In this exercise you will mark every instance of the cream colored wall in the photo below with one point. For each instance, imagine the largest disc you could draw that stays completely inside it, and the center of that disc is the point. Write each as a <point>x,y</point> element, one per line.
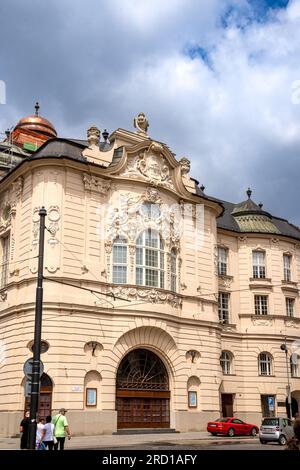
<point>74,252</point>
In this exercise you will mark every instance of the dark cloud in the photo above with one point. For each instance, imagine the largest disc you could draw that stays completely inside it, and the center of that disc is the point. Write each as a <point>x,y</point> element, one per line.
<point>104,61</point>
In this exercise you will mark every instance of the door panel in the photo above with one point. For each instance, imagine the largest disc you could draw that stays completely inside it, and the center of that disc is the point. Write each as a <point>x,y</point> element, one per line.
<point>227,405</point>
<point>143,413</point>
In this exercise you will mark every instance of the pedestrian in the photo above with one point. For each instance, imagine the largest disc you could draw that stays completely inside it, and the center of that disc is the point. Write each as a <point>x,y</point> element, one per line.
<point>61,427</point>
<point>40,433</point>
<point>24,430</point>
<point>48,438</point>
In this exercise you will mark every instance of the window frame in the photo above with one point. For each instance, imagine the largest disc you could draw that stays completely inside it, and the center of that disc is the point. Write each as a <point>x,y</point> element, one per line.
<point>144,251</point>
<point>223,310</point>
<point>267,361</point>
<point>222,261</point>
<point>287,267</point>
<point>289,306</point>
<point>226,362</point>
<point>259,266</point>
<point>117,264</point>
<point>5,245</point>
<point>173,271</point>
<point>259,308</point>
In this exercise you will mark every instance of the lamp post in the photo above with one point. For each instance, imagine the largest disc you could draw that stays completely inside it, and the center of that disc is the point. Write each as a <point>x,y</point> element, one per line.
<point>35,387</point>
<point>284,348</point>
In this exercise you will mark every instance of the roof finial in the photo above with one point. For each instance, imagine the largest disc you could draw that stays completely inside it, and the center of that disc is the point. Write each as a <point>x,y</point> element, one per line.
<point>202,187</point>
<point>249,192</point>
<point>260,205</point>
<point>105,135</point>
<point>141,124</point>
<point>37,108</point>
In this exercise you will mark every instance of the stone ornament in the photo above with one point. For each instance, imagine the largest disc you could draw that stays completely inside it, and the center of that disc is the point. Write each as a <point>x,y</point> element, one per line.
<point>185,166</point>
<point>141,124</point>
<point>262,321</point>
<point>98,185</point>
<point>150,166</point>
<point>147,295</point>
<point>93,136</point>
<point>53,227</point>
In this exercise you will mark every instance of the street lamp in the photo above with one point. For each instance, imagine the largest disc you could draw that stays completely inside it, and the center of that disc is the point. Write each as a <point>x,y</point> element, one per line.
<point>284,348</point>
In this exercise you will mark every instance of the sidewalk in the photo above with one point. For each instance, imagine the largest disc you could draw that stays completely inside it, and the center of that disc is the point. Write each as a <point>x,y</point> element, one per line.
<point>115,441</point>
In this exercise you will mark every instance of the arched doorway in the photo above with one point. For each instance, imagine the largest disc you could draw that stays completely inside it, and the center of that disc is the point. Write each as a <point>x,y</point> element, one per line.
<point>142,391</point>
<point>45,400</point>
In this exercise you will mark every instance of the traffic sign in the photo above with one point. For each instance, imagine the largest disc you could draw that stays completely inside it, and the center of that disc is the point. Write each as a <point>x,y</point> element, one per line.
<point>271,402</point>
<point>28,366</point>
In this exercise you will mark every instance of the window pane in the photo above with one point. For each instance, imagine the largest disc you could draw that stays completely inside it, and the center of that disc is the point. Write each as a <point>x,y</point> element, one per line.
<point>139,256</point>
<point>151,258</point>
<point>120,254</point>
<point>120,274</point>
<point>151,278</point>
<point>139,276</point>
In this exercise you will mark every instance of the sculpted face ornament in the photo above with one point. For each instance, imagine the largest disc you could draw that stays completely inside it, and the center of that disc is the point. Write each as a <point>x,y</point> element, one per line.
<point>185,166</point>
<point>141,124</point>
<point>93,136</point>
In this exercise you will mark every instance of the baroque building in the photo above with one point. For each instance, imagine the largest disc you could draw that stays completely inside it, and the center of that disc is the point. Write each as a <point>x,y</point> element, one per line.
<point>163,307</point>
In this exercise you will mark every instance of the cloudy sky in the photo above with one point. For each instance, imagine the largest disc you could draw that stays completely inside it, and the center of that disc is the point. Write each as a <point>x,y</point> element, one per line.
<point>219,81</point>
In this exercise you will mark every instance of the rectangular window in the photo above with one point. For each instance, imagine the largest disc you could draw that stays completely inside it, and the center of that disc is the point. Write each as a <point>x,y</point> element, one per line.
<point>259,266</point>
<point>289,306</point>
<point>222,261</point>
<point>91,397</point>
<point>5,260</point>
<point>120,274</point>
<point>223,307</point>
<point>261,304</point>
<point>287,259</point>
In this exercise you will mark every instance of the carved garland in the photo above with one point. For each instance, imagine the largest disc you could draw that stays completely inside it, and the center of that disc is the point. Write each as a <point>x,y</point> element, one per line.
<point>147,295</point>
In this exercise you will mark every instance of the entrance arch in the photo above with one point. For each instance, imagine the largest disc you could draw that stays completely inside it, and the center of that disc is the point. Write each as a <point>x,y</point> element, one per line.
<point>45,401</point>
<point>142,391</point>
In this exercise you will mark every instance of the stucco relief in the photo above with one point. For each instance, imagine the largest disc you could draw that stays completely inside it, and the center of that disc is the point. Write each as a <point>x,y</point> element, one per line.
<point>262,321</point>
<point>146,294</point>
<point>225,281</point>
<point>52,259</point>
<point>99,185</point>
<point>9,202</point>
<point>150,166</point>
<point>290,323</point>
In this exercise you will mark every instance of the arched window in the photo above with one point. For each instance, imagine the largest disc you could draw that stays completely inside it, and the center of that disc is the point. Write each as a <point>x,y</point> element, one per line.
<point>150,259</point>
<point>264,364</point>
<point>119,261</point>
<point>294,365</point>
<point>226,362</point>
<point>173,270</point>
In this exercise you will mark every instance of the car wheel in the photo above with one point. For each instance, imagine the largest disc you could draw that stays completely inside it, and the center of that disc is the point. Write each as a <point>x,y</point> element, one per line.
<point>231,432</point>
<point>253,432</point>
<point>213,433</point>
<point>282,440</point>
<point>262,441</point>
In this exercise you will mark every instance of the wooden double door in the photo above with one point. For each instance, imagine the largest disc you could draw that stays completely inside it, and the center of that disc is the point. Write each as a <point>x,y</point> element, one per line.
<point>138,411</point>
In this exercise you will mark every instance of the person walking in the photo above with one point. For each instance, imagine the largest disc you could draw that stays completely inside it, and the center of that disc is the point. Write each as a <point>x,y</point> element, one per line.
<point>24,428</point>
<point>40,433</point>
<point>61,427</point>
<point>48,438</point>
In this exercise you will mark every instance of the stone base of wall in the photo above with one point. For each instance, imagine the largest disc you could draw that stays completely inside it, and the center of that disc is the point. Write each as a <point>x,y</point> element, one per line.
<point>187,421</point>
<point>81,423</point>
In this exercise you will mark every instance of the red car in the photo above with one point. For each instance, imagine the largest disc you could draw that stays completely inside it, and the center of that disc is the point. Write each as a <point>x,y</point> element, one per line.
<point>231,427</point>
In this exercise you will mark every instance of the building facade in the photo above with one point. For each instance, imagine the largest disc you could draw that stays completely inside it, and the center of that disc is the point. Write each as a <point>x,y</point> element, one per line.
<point>163,307</point>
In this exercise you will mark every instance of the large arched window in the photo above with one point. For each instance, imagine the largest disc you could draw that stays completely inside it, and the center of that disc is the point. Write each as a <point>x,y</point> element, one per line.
<point>264,364</point>
<point>173,270</point>
<point>226,362</point>
<point>150,259</point>
<point>119,260</point>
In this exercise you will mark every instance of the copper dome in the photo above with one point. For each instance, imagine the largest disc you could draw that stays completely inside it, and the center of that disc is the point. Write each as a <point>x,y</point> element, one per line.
<point>37,124</point>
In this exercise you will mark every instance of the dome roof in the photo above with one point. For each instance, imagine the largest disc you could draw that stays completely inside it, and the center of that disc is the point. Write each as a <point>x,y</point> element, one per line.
<point>37,124</point>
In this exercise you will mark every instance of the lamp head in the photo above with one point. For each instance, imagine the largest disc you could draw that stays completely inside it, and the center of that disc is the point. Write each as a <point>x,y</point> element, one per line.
<point>283,347</point>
